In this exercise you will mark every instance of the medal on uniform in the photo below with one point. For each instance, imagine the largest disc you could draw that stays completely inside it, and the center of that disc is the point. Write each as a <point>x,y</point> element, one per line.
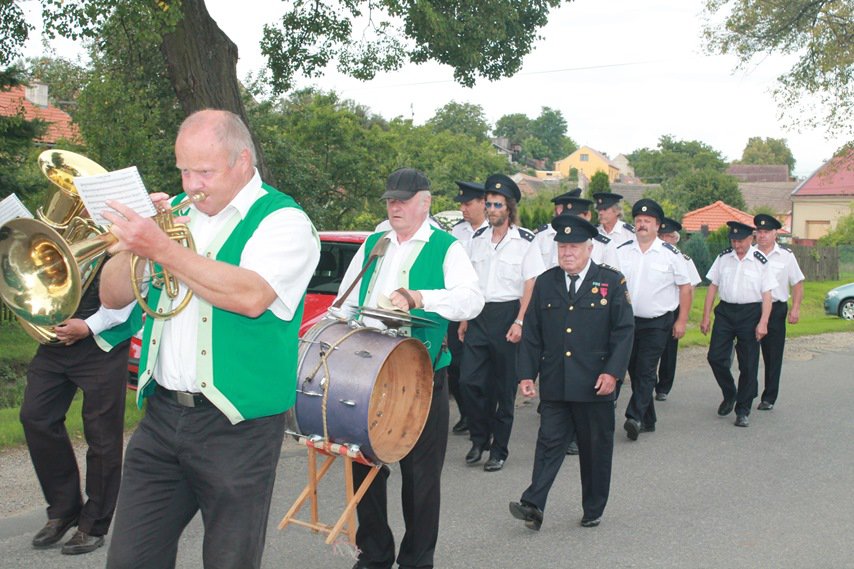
<point>595,288</point>
<point>603,291</point>
<point>603,302</point>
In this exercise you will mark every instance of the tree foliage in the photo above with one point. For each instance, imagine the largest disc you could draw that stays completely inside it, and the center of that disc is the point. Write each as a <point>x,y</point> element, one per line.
<point>17,149</point>
<point>820,33</point>
<point>693,190</point>
<point>542,138</point>
<point>698,250</point>
<point>461,118</point>
<point>14,31</point>
<point>672,158</point>
<point>842,234</point>
<point>599,182</point>
<point>516,127</point>
<point>767,151</point>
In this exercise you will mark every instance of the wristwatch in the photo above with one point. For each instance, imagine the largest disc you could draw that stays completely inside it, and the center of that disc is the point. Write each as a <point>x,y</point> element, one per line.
<point>519,322</point>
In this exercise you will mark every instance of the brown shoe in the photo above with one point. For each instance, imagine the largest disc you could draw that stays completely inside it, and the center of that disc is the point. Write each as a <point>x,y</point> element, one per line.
<point>52,532</point>
<point>82,542</point>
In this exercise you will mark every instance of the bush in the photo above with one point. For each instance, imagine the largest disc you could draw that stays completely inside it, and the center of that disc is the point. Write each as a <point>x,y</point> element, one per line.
<point>13,379</point>
<point>698,251</point>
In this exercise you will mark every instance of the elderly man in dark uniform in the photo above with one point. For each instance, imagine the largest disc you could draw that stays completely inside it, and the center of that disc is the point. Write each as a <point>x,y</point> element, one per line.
<point>745,282</point>
<point>577,337</point>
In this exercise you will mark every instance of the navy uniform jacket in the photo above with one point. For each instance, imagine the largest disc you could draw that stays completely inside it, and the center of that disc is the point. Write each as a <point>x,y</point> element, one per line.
<point>570,345</point>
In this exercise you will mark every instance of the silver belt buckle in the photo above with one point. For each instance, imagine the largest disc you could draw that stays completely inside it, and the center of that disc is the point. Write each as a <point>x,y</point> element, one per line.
<point>185,399</point>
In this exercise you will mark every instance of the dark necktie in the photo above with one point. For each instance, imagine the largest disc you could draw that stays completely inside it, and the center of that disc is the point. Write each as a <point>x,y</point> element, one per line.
<point>572,280</point>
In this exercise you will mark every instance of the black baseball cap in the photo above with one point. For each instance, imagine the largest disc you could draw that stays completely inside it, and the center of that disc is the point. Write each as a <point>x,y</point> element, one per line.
<point>404,183</point>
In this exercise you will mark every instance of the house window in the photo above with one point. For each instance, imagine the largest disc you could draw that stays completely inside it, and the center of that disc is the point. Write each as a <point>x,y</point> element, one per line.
<point>817,229</point>
<point>585,157</point>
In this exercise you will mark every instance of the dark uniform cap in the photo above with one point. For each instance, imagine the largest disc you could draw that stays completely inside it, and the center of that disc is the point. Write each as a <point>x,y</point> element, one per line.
<point>738,230</point>
<point>577,206</point>
<point>565,197</point>
<point>405,183</point>
<point>604,200</point>
<point>573,229</point>
<point>468,191</point>
<point>765,221</point>
<point>504,185</point>
<point>648,207</point>
<point>669,226</point>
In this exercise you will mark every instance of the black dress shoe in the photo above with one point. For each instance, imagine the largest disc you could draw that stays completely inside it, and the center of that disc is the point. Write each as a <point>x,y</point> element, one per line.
<point>633,429</point>
<point>742,421</point>
<point>585,523</point>
<point>531,515</point>
<point>661,397</point>
<point>726,407</point>
<point>494,464</point>
<point>765,406</point>
<point>572,448</point>
<point>53,531</point>
<point>82,542</point>
<point>462,426</point>
<point>647,428</point>
<point>473,456</point>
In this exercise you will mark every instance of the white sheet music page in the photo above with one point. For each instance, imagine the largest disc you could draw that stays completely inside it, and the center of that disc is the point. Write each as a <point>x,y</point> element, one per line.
<point>12,207</point>
<point>124,186</point>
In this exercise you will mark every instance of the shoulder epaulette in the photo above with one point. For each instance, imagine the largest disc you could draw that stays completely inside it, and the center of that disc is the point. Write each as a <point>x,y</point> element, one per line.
<point>525,234</point>
<point>479,232</point>
<point>629,226</point>
<point>543,227</point>
<point>602,238</point>
<point>787,250</point>
<point>760,256</point>
<point>686,257</point>
<point>671,247</point>
<point>459,222</point>
<point>610,268</point>
<point>629,242</point>
<point>725,251</point>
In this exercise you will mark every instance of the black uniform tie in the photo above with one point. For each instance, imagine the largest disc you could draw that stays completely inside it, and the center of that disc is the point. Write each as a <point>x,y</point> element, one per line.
<point>572,281</point>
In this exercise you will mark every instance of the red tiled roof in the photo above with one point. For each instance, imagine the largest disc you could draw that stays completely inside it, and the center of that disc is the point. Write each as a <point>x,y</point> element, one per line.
<point>60,126</point>
<point>834,178</point>
<point>714,216</point>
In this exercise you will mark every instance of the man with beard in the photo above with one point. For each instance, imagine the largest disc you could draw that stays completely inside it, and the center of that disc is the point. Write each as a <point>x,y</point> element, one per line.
<point>611,222</point>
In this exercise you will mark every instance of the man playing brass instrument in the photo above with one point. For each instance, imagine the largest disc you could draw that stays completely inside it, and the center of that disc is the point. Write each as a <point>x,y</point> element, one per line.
<point>218,376</point>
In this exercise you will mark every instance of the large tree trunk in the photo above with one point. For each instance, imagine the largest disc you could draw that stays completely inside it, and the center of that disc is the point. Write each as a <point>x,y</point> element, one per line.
<point>202,64</point>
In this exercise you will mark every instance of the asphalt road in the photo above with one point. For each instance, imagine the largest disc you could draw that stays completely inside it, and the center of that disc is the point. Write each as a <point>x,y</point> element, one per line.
<point>698,493</point>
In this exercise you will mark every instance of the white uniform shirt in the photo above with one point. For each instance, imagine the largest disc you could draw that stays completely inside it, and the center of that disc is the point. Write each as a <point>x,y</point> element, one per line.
<point>653,277</point>
<point>284,250</point>
<point>106,318</point>
<point>461,298</point>
<point>603,253</point>
<point>502,268</point>
<point>741,281</point>
<point>786,271</point>
<point>463,231</point>
<point>619,234</point>
<point>693,273</point>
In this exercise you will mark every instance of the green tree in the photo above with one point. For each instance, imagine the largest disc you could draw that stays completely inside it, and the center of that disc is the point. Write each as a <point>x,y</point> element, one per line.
<point>767,151</point>
<point>696,248</point>
<point>716,242</point>
<point>534,147</point>
<point>550,128</point>
<point>65,78</point>
<point>14,31</point>
<point>17,148</point>
<point>819,33</point>
<point>674,158</point>
<point>694,190</point>
<point>842,234</point>
<point>516,127</point>
<point>599,183</point>
<point>461,118</point>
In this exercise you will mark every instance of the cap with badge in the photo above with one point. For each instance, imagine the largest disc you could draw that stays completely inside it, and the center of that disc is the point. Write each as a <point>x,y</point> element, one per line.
<point>404,183</point>
<point>765,221</point>
<point>469,191</point>
<point>646,206</point>
<point>577,206</point>
<point>573,229</point>
<point>504,185</point>
<point>604,200</point>
<point>564,197</point>
<point>669,226</point>
<point>738,230</point>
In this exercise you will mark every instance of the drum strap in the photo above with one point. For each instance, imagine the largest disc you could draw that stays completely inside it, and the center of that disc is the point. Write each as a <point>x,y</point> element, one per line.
<point>377,252</point>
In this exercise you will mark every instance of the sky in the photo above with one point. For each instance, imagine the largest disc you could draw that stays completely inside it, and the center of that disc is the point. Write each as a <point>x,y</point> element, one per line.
<point>622,72</point>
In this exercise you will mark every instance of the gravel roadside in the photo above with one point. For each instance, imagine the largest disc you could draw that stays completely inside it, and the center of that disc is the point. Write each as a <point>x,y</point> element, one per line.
<point>20,489</point>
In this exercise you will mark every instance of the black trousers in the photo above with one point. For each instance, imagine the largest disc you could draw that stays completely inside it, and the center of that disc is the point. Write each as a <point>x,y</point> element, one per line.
<point>667,365</point>
<point>593,424</point>
<point>773,345</point>
<point>488,377</point>
<point>54,375</point>
<point>181,460</point>
<point>456,349</point>
<point>736,323</point>
<point>651,336</point>
<point>421,475</point>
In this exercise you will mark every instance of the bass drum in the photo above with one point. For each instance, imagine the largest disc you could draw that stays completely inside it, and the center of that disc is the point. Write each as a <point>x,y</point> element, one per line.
<point>379,389</point>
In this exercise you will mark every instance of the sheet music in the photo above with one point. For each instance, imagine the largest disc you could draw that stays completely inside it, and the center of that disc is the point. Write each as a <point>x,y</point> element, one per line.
<point>124,186</point>
<point>11,207</point>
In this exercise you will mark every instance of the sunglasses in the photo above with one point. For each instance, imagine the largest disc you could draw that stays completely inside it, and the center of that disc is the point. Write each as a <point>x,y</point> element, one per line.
<point>494,205</point>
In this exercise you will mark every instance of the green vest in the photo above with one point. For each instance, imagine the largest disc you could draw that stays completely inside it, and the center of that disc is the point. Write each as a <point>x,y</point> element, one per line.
<point>247,367</point>
<point>112,337</point>
<point>422,271</point>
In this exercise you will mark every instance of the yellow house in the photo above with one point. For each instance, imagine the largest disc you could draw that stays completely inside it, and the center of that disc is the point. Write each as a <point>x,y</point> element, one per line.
<point>824,197</point>
<point>588,161</point>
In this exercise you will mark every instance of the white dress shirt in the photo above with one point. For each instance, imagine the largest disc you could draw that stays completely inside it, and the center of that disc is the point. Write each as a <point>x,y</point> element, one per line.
<point>107,318</point>
<point>741,281</point>
<point>653,277</point>
<point>284,251</point>
<point>581,275</point>
<point>786,271</point>
<point>619,234</point>
<point>463,231</point>
<point>502,268</point>
<point>461,298</point>
<point>547,246</point>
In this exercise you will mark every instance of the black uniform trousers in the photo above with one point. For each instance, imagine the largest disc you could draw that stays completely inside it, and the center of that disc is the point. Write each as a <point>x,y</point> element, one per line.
<point>456,349</point>
<point>181,460</point>
<point>651,336</point>
<point>593,424</point>
<point>736,323</point>
<point>54,375</point>
<point>667,365</point>
<point>773,345</point>
<point>488,377</point>
<point>421,474</point>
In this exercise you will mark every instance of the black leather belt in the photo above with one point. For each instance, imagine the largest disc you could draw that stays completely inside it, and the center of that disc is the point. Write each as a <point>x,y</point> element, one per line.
<point>184,398</point>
